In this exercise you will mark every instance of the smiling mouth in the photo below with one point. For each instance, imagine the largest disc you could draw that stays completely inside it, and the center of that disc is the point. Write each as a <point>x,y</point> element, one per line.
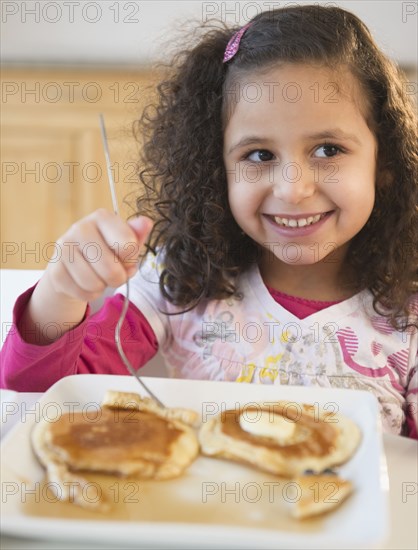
<point>298,222</point>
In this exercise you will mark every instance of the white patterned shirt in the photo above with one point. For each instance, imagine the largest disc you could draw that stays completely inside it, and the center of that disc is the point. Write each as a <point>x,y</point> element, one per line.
<point>255,339</point>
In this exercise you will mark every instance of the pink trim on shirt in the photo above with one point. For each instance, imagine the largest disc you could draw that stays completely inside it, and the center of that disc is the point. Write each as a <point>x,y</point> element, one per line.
<point>300,307</point>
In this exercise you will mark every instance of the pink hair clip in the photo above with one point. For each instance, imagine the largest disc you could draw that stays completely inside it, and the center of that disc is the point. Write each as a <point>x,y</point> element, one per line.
<point>233,45</point>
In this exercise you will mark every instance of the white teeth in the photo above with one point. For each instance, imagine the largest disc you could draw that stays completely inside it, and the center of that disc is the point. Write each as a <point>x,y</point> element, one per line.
<point>300,222</point>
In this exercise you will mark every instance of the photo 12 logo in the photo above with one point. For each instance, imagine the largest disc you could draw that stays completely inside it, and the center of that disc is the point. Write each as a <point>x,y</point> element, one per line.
<point>269,491</point>
<point>70,12</point>
<point>126,492</point>
<point>242,12</point>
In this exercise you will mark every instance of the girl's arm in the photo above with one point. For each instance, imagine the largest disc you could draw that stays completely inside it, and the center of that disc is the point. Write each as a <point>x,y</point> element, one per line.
<point>88,348</point>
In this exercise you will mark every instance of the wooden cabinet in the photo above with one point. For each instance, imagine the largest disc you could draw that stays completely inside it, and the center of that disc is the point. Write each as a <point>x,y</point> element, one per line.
<point>52,161</point>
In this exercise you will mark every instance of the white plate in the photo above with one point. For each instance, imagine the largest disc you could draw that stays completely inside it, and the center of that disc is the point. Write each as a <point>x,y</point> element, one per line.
<point>216,504</point>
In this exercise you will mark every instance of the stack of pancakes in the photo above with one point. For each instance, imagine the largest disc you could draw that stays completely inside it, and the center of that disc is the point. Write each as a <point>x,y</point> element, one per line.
<point>283,438</point>
<point>291,440</point>
<point>132,436</point>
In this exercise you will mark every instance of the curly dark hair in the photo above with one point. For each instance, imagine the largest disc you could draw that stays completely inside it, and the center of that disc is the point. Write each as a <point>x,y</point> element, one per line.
<point>183,178</point>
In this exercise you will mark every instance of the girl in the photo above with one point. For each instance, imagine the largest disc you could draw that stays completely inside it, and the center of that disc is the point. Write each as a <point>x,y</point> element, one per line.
<point>279,210</point>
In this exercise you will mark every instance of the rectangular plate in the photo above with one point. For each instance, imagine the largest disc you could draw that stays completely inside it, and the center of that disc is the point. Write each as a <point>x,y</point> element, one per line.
<point>216,503</point>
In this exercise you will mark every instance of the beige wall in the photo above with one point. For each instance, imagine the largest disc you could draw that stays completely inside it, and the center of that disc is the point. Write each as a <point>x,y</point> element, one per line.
<point>53,166</point>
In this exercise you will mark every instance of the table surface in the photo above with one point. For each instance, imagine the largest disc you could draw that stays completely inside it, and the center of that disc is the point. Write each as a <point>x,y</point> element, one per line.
<point>402,463</point>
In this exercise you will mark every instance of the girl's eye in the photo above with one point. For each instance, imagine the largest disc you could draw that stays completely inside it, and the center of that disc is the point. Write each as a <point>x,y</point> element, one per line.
<point>329,150</point>
<point>260,155</point>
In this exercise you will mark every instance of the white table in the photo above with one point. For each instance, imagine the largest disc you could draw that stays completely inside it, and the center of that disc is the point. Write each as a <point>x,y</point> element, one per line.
<point>402,461</point>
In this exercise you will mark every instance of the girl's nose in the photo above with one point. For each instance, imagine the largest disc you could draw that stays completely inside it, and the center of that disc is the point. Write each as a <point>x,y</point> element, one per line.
<point>293,182</point>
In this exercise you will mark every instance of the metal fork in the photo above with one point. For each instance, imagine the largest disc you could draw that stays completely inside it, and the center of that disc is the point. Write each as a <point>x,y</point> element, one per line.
<point>119,324</point>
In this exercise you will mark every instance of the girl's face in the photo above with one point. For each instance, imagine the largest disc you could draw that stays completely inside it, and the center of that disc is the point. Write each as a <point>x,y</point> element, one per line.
<point>300,162</point>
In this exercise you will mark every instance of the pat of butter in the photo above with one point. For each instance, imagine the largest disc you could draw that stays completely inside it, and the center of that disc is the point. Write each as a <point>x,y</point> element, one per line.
<point>267,424</point>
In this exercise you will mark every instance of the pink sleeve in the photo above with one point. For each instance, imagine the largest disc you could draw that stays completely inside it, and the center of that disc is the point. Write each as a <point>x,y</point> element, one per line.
<point>88,348</point>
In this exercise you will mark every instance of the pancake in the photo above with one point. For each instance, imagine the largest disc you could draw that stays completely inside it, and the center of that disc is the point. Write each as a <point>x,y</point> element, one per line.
<point>319,494</point>
<point>131,436</point>
<point>283,438</point>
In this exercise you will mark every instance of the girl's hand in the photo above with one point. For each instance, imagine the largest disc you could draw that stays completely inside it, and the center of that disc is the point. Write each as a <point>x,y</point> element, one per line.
<point>98,251</point>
